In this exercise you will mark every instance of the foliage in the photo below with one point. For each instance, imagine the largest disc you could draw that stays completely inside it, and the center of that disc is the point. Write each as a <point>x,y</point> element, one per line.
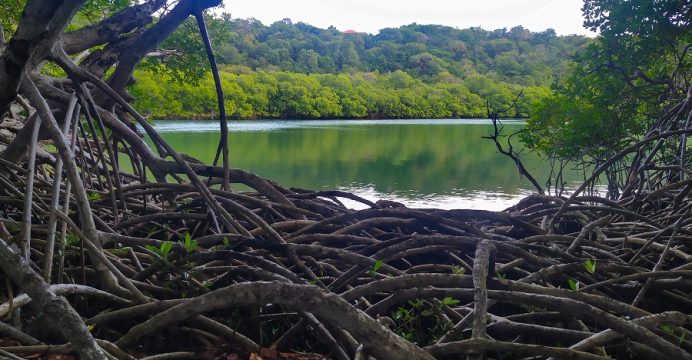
<point>93,195</point>
<point>423,321</point>
<point>619,84</point>
<point>162,251</point>
<point>425,51</point>
<point>283,70</point>
<point>189,64</point>
<point>590,266</point>
<point>375,267</point>
<point>92,12</point>
<point>277,94</point>
<point>9,16</point>
<point>574,284</point>
<point>189,243</point>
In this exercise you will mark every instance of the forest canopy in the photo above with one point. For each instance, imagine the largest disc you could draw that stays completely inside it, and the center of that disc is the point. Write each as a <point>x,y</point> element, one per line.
<point>618,87</point>
<point>295,70</point>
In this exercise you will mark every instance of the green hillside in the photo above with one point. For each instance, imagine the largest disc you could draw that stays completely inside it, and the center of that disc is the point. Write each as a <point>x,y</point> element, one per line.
<point>288,70</point>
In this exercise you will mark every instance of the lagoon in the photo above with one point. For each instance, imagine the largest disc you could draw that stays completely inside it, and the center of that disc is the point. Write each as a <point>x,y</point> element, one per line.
<point>421,163</point>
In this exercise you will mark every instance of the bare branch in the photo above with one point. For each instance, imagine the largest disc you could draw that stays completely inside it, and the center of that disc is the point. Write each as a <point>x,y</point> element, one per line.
<point>41,24</point>
<point>110,29</point>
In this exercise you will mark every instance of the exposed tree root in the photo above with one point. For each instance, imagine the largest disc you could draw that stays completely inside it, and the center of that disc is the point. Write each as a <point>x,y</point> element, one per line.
<point>367,275</point>
<point>160,270</point>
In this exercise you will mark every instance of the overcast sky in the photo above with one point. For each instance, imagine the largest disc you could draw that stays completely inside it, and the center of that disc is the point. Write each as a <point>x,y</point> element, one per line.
<point>372,15</point>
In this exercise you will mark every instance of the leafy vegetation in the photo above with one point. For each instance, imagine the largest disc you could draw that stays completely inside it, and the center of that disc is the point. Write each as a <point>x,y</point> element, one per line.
<point>267,94</point>
<point>423,321</point>
<point>162,251</point>
<point>92,12</point>
<point>288,70</point>
<point>425,51</point>
<point>620,84</point>
<point>292,283</point>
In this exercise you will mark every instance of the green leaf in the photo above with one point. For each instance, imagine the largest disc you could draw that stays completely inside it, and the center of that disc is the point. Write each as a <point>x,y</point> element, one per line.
<point>574,284</point>
<point>93,195</point>
<point>162,250</point>
<point>155,250</point>
<point>457,270</point>
<point>667,328</point>
<point>375,267</point>
<point>590,266</point>
<point>427,313</point>
<point>166,248</point>
<point>50,148</point>
<point>450,301</point>
<point>71,239</point>
<point>190,245</point>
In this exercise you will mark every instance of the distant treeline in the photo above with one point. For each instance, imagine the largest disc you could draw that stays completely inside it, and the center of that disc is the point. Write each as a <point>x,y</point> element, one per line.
<point>262,94</point>
<point>288,70</point>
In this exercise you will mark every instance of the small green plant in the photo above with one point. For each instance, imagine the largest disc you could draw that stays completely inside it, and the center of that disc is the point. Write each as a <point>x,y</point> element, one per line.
<point>163,250</point>
<point>375,267</point>
<point>50,148</point>
<point>422,321</point>
<point>93,195</point>
<point>417,304</point>
<point>450,301</point>
<point>428,312</point>
<point>71,239</point>
<point>574,284</point>
<point>404,318</point>
<point>190,245</point>
<point>457,270</point>
<point>501,276</point>
<point>590,266</point>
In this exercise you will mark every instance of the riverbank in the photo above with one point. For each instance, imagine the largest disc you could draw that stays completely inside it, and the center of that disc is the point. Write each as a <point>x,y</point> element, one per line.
<point>287,95</point>
<point>214,117</point>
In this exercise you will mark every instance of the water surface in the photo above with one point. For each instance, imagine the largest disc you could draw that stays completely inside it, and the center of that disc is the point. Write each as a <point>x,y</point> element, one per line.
<point>422,163</point>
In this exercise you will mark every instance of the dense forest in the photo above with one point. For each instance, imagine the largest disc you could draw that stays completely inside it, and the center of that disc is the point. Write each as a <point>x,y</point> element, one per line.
<point>288,70</point>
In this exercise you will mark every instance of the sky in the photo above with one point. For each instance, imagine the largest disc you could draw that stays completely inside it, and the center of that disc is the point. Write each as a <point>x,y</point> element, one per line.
<point>564,16</point>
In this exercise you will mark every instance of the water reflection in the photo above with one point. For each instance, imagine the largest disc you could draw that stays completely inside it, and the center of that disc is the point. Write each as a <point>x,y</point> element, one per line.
<point>484,200</point>
<point>426,163</point>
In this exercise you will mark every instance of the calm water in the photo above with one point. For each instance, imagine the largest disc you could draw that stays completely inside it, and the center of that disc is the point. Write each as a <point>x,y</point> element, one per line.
<point>422,163</point>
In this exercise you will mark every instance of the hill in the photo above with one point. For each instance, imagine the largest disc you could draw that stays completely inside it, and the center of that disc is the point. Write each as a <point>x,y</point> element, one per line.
<point>422,70</point>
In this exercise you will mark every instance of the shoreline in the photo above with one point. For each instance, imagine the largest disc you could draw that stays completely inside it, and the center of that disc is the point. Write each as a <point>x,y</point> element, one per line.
<point>211,118</point>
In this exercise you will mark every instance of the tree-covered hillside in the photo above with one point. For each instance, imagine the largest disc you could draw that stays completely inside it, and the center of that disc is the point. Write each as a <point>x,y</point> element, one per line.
<point>517,56</point>
<point>281,70</point>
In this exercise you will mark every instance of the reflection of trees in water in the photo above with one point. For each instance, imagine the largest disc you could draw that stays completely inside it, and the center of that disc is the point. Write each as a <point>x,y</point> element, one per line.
<point>424,158</point>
